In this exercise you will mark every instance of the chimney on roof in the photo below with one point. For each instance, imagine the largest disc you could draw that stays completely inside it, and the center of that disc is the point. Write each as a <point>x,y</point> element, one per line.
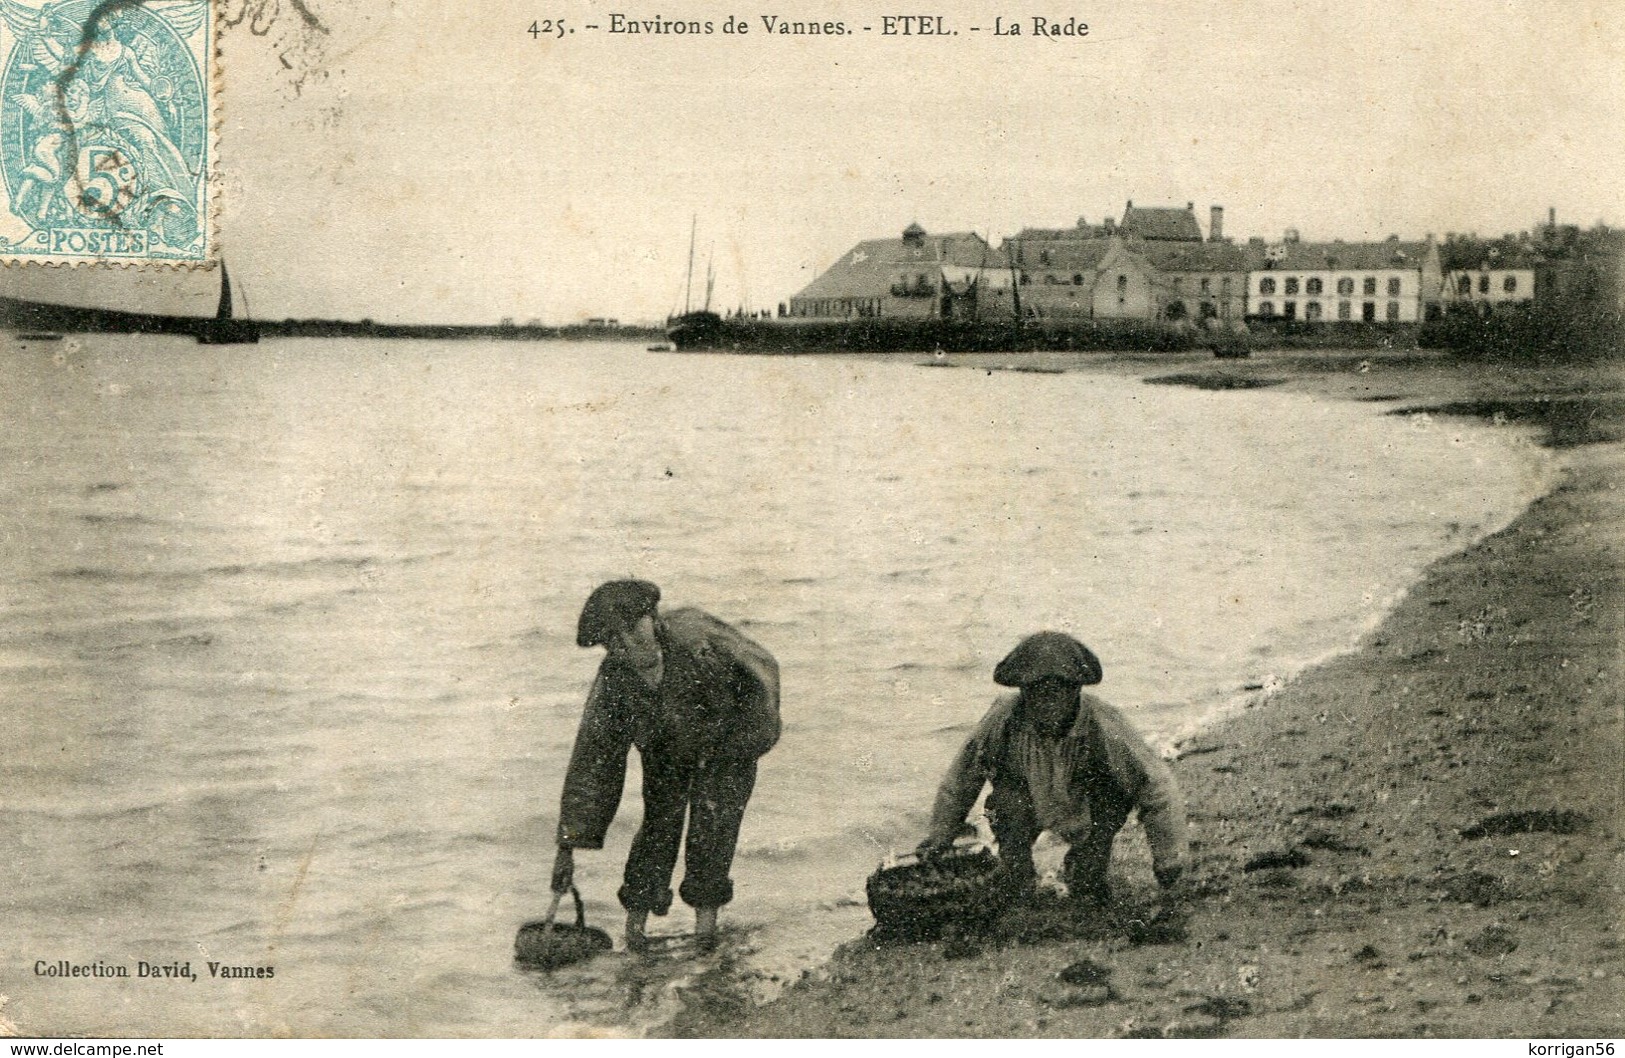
<point>1215,224</point>
<point>1551,218</point>
<point>1131,206</point>
<point>1190,207</point>
<point>1109,225</point>
<point>1290,235</point>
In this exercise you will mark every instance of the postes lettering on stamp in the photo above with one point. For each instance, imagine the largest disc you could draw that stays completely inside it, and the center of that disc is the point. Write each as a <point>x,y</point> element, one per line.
<point>106,144</point>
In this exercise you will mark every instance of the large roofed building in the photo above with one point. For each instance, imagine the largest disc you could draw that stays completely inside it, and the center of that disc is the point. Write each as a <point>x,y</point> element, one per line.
<point>1346,282</point>
<point>917,275</point>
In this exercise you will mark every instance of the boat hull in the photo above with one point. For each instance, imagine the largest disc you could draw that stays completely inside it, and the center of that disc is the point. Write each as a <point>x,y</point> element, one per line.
<point>696,330</point>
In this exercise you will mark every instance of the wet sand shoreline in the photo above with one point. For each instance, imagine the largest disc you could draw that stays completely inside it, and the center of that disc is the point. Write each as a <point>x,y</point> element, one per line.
<point>1417,839</point>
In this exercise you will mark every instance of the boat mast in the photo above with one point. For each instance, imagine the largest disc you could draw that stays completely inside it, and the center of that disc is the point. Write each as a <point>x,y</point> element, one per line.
<point>710,280</point>
<point>688,286</point>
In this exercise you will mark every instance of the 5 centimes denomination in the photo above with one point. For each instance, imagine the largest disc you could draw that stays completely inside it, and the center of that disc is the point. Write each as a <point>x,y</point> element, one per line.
<point>106,140</point>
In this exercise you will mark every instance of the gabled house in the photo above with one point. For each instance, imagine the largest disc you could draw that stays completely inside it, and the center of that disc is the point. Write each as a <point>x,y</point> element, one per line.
<point>1127,285</point>
<point>1057,276</point>
<point>1159,266</point>
<point>1091,278</point>
<point>1205,280</point>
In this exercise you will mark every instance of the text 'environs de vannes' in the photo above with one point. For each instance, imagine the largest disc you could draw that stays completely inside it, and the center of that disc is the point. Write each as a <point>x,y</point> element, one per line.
<point>917,25</point>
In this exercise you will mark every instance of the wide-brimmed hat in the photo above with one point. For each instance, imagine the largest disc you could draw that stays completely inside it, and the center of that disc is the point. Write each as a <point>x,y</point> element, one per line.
<point>1048,655</point>
<point>613,607</point>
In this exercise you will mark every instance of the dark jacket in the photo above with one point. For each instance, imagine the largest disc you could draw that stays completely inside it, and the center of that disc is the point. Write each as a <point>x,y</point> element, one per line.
<point>718,698</point>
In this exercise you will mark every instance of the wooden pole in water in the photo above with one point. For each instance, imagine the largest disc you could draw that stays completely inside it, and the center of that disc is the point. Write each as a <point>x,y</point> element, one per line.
<point>1015,285</point>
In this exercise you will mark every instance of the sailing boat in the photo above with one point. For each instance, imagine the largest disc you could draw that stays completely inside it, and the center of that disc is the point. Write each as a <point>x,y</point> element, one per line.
<point>700,329</point>
<point>225,328</point>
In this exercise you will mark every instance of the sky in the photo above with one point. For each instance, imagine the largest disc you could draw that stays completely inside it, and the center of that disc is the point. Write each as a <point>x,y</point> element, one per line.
<point>416,160</point>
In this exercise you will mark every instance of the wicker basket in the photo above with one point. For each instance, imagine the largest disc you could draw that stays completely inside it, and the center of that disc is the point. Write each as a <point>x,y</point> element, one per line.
<point>548,945</point>
<point>919,898</point>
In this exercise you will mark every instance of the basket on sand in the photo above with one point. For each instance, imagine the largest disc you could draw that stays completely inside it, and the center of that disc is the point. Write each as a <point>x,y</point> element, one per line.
<point>920,897</point>
<point>547,945</point>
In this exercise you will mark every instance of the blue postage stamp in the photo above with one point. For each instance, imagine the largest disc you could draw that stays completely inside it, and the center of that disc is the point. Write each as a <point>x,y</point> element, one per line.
<point>106,131</point>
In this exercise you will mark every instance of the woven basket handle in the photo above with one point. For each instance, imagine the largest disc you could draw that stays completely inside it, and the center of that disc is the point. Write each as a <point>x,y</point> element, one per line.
<point>964,846</point>
<point>552,913</point>
<point>581,911</point>
<point>553,910</point>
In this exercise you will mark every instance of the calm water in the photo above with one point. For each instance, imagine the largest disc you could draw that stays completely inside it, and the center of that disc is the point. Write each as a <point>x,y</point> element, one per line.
<point>287,658</point>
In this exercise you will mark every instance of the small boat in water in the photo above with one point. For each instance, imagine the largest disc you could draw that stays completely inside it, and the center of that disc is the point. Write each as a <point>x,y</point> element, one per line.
<point>695,328</point>
<point>39,337</point>
<point>226,328</point>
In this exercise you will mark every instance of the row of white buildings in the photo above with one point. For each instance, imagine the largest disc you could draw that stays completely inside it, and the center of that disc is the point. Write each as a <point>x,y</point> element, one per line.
<point>1154,264</point>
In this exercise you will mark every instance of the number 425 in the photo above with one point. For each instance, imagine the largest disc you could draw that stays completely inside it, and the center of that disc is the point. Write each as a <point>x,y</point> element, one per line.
<point>548,27</point>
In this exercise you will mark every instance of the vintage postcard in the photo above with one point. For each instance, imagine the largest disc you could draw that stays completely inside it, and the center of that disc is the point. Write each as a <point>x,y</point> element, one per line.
<point>826,521</point>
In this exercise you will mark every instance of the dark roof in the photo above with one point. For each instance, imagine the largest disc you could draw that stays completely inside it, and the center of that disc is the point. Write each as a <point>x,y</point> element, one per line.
<point>1353,256</point>
<point>1161,223</point>
<point>869,268</point>
<point>1045,234</point>
<point>1501,262</point>
<point>1203,257</point>
<point>1082,231</point>
<point>1064,254</point>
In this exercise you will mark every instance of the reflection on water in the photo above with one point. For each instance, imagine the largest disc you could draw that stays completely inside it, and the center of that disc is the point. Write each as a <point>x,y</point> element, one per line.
<point>287,648</point>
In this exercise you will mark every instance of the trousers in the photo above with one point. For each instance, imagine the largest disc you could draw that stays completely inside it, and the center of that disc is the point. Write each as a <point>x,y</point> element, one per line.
<point>710,796</point>
<point>1015,827</point>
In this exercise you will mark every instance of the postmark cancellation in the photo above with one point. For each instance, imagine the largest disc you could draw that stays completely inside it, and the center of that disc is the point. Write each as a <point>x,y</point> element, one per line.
<point>107,131</point>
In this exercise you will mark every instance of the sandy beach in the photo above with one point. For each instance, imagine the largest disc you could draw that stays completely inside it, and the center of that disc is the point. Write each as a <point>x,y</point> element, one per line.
<point>1417,839</point>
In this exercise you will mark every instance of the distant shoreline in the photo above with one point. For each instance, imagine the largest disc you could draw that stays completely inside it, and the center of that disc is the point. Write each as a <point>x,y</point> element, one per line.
<point>39,316</point>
